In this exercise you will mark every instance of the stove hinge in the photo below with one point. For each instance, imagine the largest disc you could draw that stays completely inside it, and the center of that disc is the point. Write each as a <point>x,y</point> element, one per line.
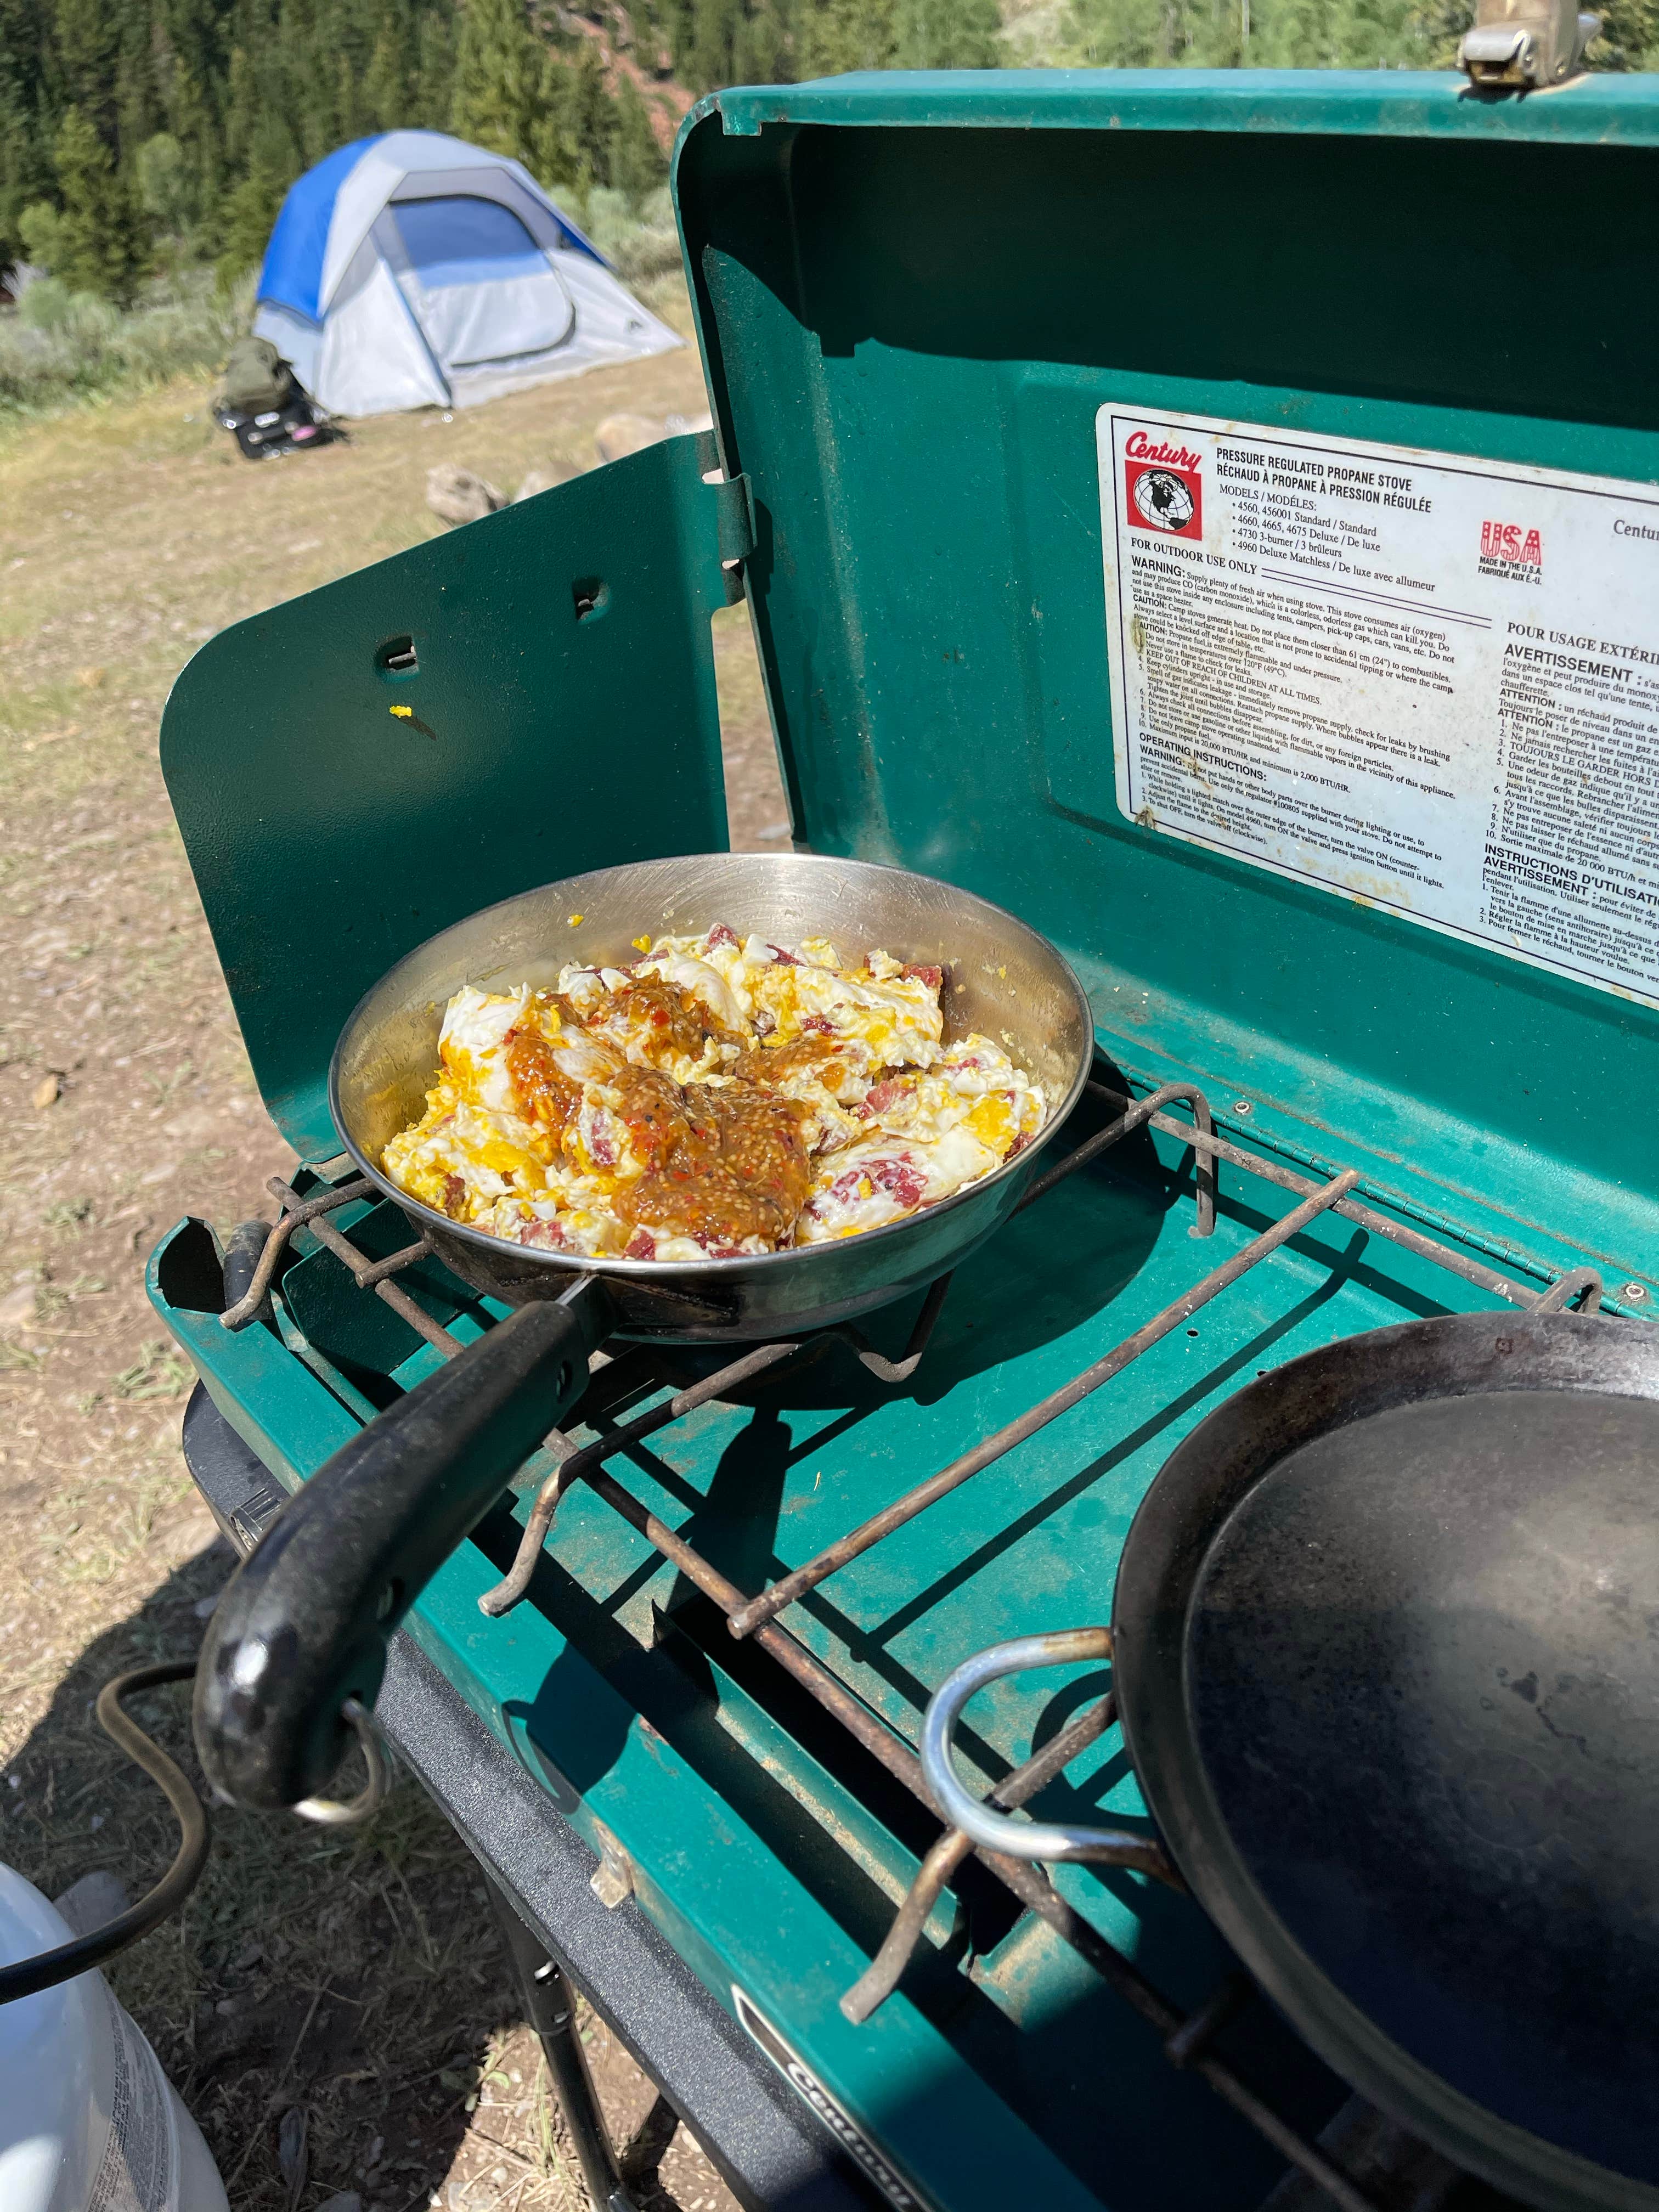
<point>734,520</point>
<point>1524,45</point>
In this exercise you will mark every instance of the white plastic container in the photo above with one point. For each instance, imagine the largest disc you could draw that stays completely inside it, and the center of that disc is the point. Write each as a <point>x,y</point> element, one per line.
<point>89,2122</point>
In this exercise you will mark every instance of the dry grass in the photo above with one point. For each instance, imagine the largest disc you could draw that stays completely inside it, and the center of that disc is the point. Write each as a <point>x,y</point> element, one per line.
<point>354,1978</point>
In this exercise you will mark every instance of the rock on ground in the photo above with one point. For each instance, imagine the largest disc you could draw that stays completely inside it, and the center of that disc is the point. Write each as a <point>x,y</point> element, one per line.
<point>620,434</point>
<point>457,495</point>
<point>543,480</point>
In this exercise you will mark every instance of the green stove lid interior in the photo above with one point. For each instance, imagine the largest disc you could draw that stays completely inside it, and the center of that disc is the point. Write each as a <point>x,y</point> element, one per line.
<point>340,804</point>
<point>914,295</point>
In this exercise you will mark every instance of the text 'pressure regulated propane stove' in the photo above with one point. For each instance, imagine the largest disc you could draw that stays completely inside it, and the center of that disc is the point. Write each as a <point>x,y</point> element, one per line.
<point>1217,518</point>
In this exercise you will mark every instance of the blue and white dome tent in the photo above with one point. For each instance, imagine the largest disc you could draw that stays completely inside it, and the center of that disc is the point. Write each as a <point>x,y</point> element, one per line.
<point>411,270</point>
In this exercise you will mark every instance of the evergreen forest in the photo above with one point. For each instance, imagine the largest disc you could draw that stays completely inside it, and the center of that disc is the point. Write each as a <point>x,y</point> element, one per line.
<point>139,137</point>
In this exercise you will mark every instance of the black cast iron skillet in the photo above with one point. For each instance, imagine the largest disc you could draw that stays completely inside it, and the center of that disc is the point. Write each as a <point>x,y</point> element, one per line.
<point>296,1648</point>
<point>1386,1647</point>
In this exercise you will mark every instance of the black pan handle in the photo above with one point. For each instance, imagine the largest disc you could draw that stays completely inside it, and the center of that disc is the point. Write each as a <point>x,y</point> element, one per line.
<point>304,1622</point>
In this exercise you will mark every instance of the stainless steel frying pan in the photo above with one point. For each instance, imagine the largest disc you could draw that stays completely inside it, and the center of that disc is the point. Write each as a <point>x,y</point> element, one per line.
<point>1001,978</point>
<point>297,1647</point>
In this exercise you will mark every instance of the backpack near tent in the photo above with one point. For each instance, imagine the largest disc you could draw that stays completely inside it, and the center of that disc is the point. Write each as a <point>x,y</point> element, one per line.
<point>261,406</point>
<point>411,270</point>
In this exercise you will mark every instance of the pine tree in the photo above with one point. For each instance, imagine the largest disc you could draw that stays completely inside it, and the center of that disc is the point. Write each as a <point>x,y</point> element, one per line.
<point>638,164</point>
<point>26,175</point>
<point>190,77</point>
<point>840,36</point>
<point>240,111</point>
<point>1126,34</point>
<point>273,163</point>
<point>1282,33</point>
<point>716,42</point>
<point>1630,36</point>
<point>700,35</point>
<point>763,51</point>
<point>947,34</point>
<point>354,117</point>
<point>503,87</point>
<point>86,39</point>
<point>137,111</point>
<point>164,184</point>
<point>579,140</point>
<point>205,110</point>
<point>387,90</point>
<point>102,241</point>
<point>434,70</point>
<point>40,228</point>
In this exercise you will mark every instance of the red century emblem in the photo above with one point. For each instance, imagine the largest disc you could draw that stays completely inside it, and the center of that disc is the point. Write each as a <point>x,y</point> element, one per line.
<point>1162,489</point>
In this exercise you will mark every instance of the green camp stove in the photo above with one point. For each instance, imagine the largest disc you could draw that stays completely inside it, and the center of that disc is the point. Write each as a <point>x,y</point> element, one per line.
<point>1217,517</point>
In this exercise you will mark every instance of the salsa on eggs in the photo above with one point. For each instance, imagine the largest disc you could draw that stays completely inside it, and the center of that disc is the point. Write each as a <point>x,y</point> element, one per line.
<point>719,1097</point>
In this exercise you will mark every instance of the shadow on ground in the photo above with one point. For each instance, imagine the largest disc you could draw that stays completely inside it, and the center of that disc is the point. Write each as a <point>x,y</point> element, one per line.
<point>355,1978</point>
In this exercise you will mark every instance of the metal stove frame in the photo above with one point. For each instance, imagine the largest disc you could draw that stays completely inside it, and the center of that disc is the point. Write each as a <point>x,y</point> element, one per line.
<point>544,1887</point>
<point>1186,2037</point>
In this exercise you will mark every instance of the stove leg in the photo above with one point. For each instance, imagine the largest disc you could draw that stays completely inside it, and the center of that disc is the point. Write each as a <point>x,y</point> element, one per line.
<point>550,2007</point>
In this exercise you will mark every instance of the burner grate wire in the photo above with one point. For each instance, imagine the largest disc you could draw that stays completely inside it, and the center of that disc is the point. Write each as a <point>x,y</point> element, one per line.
<point>1186,2037</point>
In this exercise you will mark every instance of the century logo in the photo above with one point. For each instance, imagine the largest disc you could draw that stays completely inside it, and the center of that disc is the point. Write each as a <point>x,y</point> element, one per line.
<point>1162,486</point>
<point>1140,448</point>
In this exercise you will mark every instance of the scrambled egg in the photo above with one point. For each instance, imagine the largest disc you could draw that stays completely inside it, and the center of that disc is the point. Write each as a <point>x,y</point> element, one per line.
<point>718,1097</point>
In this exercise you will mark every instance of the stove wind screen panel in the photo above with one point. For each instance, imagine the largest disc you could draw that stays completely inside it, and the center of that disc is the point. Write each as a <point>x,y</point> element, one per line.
<point>916,300</point>
<point>521,700</point>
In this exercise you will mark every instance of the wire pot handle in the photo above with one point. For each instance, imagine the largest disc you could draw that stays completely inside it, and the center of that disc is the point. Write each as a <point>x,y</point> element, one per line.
<point>999,1832</point>
<point>349,1812</point>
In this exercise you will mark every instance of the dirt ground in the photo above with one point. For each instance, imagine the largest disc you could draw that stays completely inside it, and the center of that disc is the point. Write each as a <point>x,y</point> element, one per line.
<point>334,2007</point>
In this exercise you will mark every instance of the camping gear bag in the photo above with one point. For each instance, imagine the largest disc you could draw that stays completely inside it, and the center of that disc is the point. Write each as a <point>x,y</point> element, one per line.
<point>255,378</point>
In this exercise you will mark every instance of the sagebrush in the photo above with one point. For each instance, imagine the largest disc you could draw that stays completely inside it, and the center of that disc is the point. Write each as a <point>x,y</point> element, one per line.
<point>60,345</point>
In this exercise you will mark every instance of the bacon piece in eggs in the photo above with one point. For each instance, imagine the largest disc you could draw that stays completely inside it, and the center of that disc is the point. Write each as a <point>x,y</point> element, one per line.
<point>883,1178</point>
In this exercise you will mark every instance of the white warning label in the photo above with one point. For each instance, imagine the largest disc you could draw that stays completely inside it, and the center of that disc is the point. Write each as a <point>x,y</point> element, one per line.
<point>1424,682</point>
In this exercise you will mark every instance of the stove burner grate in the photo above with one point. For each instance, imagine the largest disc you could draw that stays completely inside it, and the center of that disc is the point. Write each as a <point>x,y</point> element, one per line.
<point>1186,2037</point>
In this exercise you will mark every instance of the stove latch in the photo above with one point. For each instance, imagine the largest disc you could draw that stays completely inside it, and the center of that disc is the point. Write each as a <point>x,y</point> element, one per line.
<point>1525,44</point>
